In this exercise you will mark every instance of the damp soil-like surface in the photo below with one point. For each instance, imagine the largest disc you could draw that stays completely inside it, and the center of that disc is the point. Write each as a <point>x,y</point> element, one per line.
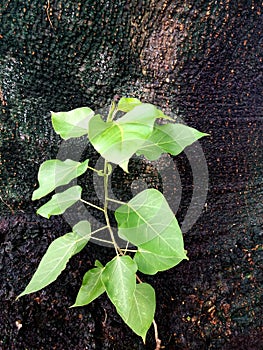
<point>212,301</point>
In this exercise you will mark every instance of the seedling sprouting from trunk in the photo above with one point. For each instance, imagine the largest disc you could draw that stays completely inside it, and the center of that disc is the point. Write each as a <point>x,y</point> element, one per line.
<point>146,221</point>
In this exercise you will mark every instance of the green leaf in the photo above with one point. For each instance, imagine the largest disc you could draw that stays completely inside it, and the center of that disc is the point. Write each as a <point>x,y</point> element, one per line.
<point>82,228</point>
<point>169,138</point>
<point>54,173</point>
<point>73,123</point>
<point>150,263</point>
<point>144,217</point>
<point>91,288</point>
<point>126,104</point>
<point>60,202</point>
<point>148,222</point>
<point>98,264</point>
<point>141,314</point>
<point>55,259</point>
<point>163,252</point>
<point>119,279</point>
<point>118,140</point>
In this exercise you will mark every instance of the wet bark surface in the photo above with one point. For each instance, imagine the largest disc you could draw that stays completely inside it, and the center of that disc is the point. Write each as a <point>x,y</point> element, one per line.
<point>200,59</point>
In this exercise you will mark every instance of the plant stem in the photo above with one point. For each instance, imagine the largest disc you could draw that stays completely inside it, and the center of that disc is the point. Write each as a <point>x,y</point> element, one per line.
<point>95,170</point>
<point>130,250</point>
<point>157,340</point>
<point>116,201</point>
<point>92,205</point>
<point>102,240</point>
<point>98,230</point>
<point>112,109</point>
<point>117,249</point>
<point>95,231</point>
<point>138,279</point>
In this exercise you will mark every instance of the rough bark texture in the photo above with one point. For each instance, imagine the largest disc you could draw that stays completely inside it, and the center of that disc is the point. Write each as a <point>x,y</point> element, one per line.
<point>200,59</point>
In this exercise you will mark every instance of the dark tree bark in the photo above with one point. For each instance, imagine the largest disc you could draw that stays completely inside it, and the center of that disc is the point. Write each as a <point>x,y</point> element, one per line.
<point>201,61</point>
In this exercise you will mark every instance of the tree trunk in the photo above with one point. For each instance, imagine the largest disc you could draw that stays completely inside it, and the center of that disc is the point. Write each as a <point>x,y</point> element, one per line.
<point>200,61</point>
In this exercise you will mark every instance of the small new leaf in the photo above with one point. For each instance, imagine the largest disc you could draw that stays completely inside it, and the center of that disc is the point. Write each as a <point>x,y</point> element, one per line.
<point>56,257</point>
<point>60,202</point>
<point>98,264</point>
<point>126,104</point>
<point>73,123</point>
<point>91,288</point>
<point>54,173</point>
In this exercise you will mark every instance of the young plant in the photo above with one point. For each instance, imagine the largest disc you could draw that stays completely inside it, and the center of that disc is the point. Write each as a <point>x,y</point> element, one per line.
<point>146,221</point>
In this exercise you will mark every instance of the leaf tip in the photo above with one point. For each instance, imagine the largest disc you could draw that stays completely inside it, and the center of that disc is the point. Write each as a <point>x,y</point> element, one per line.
<point>33,196</point>
<point>185,255</point>
<point>98,264</point>
<point>39,212</point>
<point>124,166</point>
<point>20,295</point>
<point>143,336</point>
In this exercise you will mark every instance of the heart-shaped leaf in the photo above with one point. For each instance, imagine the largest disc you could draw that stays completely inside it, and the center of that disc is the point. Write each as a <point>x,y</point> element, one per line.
<point>169,138</point>
<point>118,140</point>
<point>141,314</point>
<point>73,123</point>
<point>150,262</point>
<point>91,288</point>
<point>126,104</point>
<point>119,279</point>
<point>60,202</point>
<point>56,257</point>
<point>53,173</point>
<point>144,217</point>
<point>148,222</point>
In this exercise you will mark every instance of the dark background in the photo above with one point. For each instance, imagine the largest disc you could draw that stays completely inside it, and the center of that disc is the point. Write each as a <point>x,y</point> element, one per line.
<point>201,59</point>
